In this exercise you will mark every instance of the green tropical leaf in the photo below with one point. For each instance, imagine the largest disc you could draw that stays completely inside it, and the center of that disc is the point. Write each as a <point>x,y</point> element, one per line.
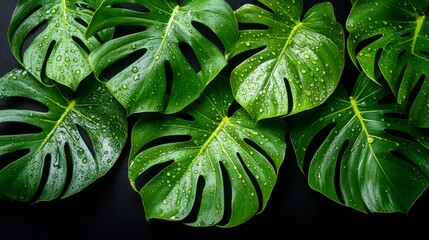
<point>57,160</point>
<point>394,39</point>
<point>361,150</point>
<point>59,50</point>
<point>212,163</point>
<point>298,63</point>
<point>143,86</point>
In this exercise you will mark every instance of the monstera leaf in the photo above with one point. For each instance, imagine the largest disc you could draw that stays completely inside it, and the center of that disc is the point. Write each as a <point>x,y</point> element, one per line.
<point>59,51</point>
<point>298,63</point>
<point>62,144</point>
<point>206,163</point>
<point>145,84</point>
<point>361,150</point>
<point>393,39</point>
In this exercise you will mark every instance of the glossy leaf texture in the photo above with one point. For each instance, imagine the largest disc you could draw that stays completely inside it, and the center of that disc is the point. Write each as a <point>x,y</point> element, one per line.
<point>393,39</point>
<point>297,64</point>
<point>203,166</point>
<point>360,150</point>
<point>159,49</point>
<point>48,39</point>
<point>51,144</point>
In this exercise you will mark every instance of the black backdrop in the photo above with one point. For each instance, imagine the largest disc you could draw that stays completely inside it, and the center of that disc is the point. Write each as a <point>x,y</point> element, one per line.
<point>110,209</point>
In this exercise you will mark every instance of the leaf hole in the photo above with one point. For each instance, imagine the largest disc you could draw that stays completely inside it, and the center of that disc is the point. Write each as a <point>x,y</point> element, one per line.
<point>399,134</point>
<point>121,64</point>
<point>193,215</point>
<point>261,151</point>
<point>9,158</point>
<point>290,101</point>
<point>45,63</point>
<point>209,34</point>
<point>337,175</point>
<point>44,178</point>
<point>387,99</point>
<point>363,44</point>
<point>86,139</point>
<point>416,88</point>
<point>22,103</point>
<point>227,189</point>
<point>18,128</point>
<point>234,107</point>
<point>402,54</point>
<point>150,174</point>
<point>406,35</point>
<point>127,30</point>
<point>190,55</point>
<point>401,156</point>
<point>69,166</point>
<point>314,145</point>
<point>254,181</point>
<point>239,59</point>
<point>263,6</point>
<point>132,6</point>
<point>81,44</point>
<point>397,115</point>
<point>183,115</point>
<point>165,140</point>
<point>81,22</point>
<point>169,78</point>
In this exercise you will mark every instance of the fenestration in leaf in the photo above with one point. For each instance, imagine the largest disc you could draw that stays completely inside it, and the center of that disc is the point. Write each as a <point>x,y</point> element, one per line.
<point>222,168</point>
<point>58,49</point>
<point>361,150</point>
<point>143,86</point>
<point>298,64</point>
<point>394,39</point>
<point>56,161</point>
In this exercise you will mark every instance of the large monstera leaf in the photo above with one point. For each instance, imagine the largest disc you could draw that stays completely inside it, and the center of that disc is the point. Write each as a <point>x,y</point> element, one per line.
<point>144,85</point>
<point>60,145</point>
<point>209,164</point>
<point>393,39</point>
<point>298,63</point>
<point>59,51</point>
<point>362,152</point>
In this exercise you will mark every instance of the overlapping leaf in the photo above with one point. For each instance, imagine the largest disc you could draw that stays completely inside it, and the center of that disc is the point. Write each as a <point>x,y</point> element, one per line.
<point>76,140</point>
<point>55,32</point>
<point>220,167</point>
<point>298,63</point>
<point>394,39</point>
<point>143,85</point>
<point>362,152</point>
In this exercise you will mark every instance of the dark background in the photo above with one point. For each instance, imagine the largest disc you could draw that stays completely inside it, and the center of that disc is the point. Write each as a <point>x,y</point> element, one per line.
<point>110,209</point>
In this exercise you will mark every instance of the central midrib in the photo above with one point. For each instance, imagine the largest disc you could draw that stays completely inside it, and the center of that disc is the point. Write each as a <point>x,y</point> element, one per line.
<point>57,125</point>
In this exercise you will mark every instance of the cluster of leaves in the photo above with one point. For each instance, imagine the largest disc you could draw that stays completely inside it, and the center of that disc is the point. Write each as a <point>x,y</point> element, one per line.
<point>217,93</point>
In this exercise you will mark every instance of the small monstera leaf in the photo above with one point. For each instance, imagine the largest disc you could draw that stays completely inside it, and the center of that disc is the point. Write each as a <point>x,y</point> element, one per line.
<point>59,50</point>
<point>298,63</point>
<point>62,144</point>
<point>145,85</point>
<point>393,39</point>
<point>218,167</point>
<point>362,152</point>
